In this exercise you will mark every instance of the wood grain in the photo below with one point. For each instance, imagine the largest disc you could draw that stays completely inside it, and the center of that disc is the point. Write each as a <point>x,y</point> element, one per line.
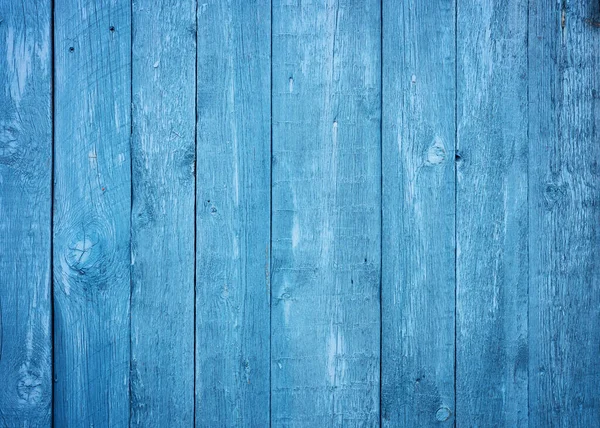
<point>491,218</point>
<point>326,213</point>
<point>564,239</point>
<point>418,133</point>
<point>233,203</point>
<point>92,201</point>
<point>163,179</point>
<point>25,214</point>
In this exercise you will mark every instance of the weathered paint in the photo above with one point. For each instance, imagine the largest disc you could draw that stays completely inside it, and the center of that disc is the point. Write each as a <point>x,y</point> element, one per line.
<point>25,214</point>
<point>233,204</point>
<point>326,213</point>
<point>491,214</point>
<point>418,214</point>
<point>162,217</point>
<point>428,256</point>
<point>564,213</point>
<point>92,188</point>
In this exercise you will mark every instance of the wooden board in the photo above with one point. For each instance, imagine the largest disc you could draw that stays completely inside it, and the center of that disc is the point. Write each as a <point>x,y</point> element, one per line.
<point>92,201</point>
<point>491,214</point>
<point>25,214</point>
<point>233,203</point>
<point>564,183</point>
<point>418,132</point>
<point>162,258</point>
<point>325,363</point>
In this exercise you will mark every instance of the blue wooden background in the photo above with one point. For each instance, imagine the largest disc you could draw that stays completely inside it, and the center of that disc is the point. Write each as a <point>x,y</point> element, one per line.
<point>300,213</point>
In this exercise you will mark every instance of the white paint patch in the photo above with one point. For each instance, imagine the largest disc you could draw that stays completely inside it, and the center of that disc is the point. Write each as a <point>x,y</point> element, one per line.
<point>121,158</point>
<point>236,247</point>
<point>65,269</point>
<point>436,153</point>
<point>43,50</point>
<point>331,354</point>
<point>18,59</point>
<point>295,232</point>
<point>82,250</point>
<point>286,311</point>
<point>117,122</point>
<point>291,85</point>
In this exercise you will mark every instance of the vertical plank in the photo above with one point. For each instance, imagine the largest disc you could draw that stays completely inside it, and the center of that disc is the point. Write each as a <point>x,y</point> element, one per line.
<point>491,310</point>
<point>233,203</point>
<point>25,213</point>
<point>92,212</point>
<point>163,257</point>
<point>326,213</point>
<point>564,309</point>
<point>418,132</point>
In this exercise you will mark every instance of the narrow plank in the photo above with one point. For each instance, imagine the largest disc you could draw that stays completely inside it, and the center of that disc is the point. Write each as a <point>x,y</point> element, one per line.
<point>564,309</point>
<point>92,212</point>
<point>163,257</point>
<point>491,309</point>
<point>418,132</point>
<point>233,203</point>
<point>326,213</point>
<point>25,214</point>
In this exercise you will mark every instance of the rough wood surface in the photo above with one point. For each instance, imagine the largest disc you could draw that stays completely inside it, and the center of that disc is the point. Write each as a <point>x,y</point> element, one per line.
<point>25,214</point>
<point>326,213</point>
<point>418,214</point>
<point>491,219</point>
<point>233,203</point>
<point>299,213</point>
<point>162,256</point>
<point>564,238</point>
<point>92,212</point>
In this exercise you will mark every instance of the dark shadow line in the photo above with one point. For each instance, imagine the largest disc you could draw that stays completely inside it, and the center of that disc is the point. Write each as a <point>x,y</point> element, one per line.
<point>380,213</point>
<point>271,219</point>
<point>455,204</point>
<point>195,208</point>
<point>52,132</point>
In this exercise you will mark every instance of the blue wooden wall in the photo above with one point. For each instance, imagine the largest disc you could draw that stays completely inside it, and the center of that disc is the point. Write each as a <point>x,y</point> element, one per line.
<point>299,213</point>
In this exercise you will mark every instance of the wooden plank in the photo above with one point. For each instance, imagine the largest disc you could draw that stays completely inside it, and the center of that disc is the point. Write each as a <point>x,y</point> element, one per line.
<point>418,133</point>
<point>491,309</point>
<point>25,214</point>
<point>163,256</point>
<point>233,206</point>
<point>564,309</point>
<point>92,212</point>
<point>326,213</point>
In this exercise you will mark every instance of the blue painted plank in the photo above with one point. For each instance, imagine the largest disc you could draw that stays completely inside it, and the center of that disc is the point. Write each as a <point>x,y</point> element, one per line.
<point>233,203</point>
<point>418,133</point>
<point>163,179</point>
<point>491,203</point>
<point>92,212</point>
<point>25,214</point>
<point>326,213</point>
<point>564,307</point>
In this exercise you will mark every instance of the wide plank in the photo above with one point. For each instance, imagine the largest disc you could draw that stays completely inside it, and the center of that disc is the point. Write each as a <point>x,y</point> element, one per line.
<point>491,218</point>
<point>418,133</point>
<point>163,179</point>
<point>25,213</point>
<point>564,217</point>
<point>326,213</point>
<point>92,201</point>
<point>233,205</point>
